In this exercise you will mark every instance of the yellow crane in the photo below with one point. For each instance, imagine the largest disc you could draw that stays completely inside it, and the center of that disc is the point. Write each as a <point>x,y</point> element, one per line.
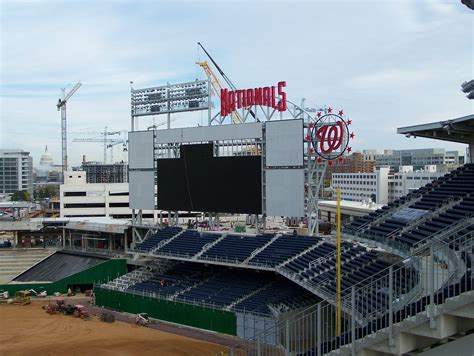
<point>217,86</point>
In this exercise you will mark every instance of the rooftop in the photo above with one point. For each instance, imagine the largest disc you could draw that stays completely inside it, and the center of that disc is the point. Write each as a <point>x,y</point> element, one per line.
<point>459,130</point>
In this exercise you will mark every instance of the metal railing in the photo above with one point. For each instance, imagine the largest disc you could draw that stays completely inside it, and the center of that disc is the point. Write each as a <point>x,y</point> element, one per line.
<point>417,288</point>
<point>191,301</point>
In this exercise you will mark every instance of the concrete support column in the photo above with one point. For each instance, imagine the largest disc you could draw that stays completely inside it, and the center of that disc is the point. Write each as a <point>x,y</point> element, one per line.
<point>471,153</point>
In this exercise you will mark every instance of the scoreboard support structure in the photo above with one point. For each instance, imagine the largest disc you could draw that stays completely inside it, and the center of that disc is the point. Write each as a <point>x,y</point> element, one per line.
<point>277,137</point>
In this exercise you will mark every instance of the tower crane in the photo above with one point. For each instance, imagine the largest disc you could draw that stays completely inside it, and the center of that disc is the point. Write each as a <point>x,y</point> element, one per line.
<point>108,143</point>
<point>61,105</point>
<point>104,139</point>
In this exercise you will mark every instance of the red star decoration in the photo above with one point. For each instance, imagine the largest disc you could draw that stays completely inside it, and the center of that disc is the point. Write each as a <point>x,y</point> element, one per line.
<point>311,125</point>
<point>349,149</point>
<point>349,121</point>
<point>311,150</point>
<point>341,112</point>
<point>319,159</point>
<point>352,135</point>
<point>319,114</point>
<point>308,137</point>
<point>330,162</point>
<point>329,111</point>
<point>340,159</point>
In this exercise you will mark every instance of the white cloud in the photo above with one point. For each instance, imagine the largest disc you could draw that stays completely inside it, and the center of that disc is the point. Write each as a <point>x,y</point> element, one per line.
<point>388,63</point>
<point>391,79</point>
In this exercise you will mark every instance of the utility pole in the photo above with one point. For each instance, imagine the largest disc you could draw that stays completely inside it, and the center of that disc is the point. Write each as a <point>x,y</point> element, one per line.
<point>61,105</point>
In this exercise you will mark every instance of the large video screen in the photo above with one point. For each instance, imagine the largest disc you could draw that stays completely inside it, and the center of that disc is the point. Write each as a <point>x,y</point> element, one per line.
<point>198,181</point>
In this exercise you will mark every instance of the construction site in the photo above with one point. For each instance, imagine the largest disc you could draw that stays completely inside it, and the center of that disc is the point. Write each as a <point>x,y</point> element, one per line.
<point>218,238</point>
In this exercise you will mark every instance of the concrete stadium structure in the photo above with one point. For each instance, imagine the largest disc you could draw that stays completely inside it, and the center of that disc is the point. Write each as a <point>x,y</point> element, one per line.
<point>407,282</point>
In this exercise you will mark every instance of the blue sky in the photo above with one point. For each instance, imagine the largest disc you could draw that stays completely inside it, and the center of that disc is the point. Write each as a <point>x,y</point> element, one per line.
<point>386,63</point>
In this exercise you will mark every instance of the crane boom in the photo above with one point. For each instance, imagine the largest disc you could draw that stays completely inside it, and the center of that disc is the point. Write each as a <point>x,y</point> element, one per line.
<point>221,72</point>
<point>63,101</point>
<point>107,142</point>
<point>226,78</point>
<point>217,86</point>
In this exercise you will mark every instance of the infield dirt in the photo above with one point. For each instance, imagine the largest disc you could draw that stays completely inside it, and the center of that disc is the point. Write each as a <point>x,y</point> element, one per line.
<point>27,330</point>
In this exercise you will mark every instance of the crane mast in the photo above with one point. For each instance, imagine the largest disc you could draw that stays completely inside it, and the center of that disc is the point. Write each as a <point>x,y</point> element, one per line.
<point>61,105</point>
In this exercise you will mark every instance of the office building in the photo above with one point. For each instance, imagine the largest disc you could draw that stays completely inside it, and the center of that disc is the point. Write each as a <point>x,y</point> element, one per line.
<point>16,171</point>
<point>418,158</point>
<point>383,186</point>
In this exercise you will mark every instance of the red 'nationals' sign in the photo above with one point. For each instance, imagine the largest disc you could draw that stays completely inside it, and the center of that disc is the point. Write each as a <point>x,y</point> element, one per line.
<point>329,136</point>
<point>242,98</point>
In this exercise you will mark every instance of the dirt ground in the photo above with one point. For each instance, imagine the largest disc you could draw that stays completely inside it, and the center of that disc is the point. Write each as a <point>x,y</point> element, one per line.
<point>26,330</point>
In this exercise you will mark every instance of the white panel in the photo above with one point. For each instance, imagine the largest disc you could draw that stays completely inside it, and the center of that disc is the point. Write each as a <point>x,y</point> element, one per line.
<point>210,133</point>
<point>285,192</point>
<point>284,140</point>
<point>142,190</point>
<point>140,150</point>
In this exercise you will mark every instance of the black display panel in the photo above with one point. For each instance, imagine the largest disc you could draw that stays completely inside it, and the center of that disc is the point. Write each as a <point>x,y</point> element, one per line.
<point>197,181</point>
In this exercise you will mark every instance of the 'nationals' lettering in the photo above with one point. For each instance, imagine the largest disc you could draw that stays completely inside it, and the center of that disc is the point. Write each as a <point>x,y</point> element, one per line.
<point>267,96</point>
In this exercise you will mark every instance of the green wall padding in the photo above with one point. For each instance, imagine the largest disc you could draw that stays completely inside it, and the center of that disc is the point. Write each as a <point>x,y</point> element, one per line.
<point>180,313</point>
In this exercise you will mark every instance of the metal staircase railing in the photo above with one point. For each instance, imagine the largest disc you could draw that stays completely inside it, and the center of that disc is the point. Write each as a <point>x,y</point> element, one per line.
<point>305,251</point>
<point>163,243</point>
<point>441,235</point>
<point>208,246</point>
<point>260,249</point>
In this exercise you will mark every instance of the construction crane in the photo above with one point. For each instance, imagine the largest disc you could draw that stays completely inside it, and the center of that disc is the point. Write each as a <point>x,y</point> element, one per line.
<point>104,139</point>
<point>61,105</point>
<point>226,78</point>
<point>111,146</point>
<point>154,126</point>
<point>108,143</point>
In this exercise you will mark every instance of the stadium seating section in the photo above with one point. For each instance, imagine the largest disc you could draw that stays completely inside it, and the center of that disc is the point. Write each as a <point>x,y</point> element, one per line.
<point>455,188</point>
<point>310,260</point>
<point>255,292</point>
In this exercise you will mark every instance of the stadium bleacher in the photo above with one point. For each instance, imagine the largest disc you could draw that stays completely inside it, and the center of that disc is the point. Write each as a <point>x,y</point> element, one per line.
<point>284,247</point>
<point>256,291</point>
<point>154,240</point>
<point>236,247</point>
<point>456,187</point>
<point>189,243</point>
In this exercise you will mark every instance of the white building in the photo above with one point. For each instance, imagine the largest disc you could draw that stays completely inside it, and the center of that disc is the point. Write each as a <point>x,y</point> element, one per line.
<point>407,180</point>
<point>16,171</point>
<point>47,171</point>
<point>383,187</point>
<point>363,186</point>
<point>81,199</point>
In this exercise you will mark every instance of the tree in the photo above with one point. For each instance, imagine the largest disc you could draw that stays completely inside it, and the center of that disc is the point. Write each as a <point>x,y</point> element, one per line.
<point>48,191</point>
<point>21,195</point>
